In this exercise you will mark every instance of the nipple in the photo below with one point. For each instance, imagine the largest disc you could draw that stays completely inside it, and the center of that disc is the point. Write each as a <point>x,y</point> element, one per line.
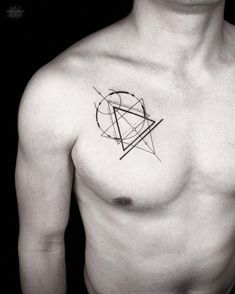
<point>123,201</point>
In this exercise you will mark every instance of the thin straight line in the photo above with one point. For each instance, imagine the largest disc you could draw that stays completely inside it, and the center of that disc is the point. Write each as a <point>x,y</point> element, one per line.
<point>140,140</point>
<point>99,93</point>
<point>152,142</point>
<point>104,97</point>
<point>111,118</point>
<point>119,131</point>
<point>157,157</point>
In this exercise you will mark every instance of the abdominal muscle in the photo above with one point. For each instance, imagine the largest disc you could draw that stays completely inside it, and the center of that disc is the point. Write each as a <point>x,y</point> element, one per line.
<point>186,248</point>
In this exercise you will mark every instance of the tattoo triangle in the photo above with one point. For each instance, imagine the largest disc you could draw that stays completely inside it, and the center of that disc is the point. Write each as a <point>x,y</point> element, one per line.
<point>129,118</point>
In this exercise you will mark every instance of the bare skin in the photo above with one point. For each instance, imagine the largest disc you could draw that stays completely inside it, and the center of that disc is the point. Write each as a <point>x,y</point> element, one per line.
<point>151,227</point>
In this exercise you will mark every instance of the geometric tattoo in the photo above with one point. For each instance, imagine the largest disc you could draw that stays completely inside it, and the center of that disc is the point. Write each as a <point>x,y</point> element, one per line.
<point>122,117</point>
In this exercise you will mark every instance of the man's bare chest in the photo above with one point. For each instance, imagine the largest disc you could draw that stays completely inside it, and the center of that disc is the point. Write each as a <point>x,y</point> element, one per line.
<point>133,147</point>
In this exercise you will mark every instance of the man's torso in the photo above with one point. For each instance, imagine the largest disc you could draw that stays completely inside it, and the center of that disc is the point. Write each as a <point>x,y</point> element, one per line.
<point>159,218</point>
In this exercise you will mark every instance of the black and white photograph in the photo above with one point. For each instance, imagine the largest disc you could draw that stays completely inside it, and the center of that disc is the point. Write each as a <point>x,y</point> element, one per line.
<point>118,121</point>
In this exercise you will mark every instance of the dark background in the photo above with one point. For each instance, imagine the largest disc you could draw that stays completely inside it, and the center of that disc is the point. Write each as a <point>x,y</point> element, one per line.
<point>44,30</point>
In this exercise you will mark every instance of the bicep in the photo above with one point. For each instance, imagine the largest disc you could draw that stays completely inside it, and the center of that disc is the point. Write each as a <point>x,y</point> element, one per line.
<point>43,192</point>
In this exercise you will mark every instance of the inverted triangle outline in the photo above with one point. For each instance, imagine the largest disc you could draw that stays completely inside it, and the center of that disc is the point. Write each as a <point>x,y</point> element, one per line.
<point>148,128</point>
<point>126,111</point>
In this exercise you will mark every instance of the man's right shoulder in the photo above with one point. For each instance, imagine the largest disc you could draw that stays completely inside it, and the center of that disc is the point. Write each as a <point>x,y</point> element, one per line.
<point>51,105</point>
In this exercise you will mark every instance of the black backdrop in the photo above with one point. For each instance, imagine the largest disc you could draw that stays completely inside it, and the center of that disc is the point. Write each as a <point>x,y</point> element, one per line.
<point>35,35</point>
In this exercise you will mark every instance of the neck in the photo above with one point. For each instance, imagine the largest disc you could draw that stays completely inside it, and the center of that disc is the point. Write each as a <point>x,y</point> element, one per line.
<point>184,33</point>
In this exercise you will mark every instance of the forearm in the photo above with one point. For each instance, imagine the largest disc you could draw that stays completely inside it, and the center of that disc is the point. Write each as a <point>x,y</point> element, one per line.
<point>43,271</point>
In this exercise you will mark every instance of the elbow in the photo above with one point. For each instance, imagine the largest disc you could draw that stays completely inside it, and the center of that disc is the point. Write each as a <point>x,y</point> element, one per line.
<point>40,241</point>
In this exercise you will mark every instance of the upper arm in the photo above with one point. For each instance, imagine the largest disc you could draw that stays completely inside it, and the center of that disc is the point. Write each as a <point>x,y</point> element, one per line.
<point>44,170</point>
